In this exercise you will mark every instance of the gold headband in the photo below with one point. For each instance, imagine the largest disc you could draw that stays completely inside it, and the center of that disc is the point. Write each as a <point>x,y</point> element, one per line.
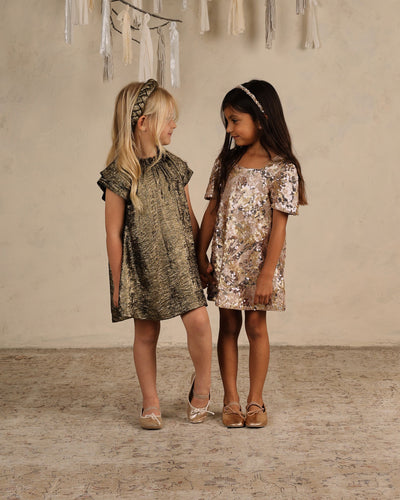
<point>144,93</point>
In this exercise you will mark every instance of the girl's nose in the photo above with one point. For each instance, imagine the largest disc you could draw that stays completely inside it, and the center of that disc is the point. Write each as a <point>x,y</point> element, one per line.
<point>228,128</point>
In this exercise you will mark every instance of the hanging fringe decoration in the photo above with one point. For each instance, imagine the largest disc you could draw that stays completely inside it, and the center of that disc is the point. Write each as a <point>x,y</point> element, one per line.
<point>184,4</point>
<point>204,20</point>
<point>106,41</point>
<point>161,59</point>
<point>270,22</point>
<point>68,22</point>
<point>312,39</point>
<point>80,12</point>
<point>300,6</point>
<point>174,57</point>
<point>137,15</point>
<point>91,5</point>
<point>157,6</point>
<point>236,22</point>
<point>146,51</point>
<point>125,19</point>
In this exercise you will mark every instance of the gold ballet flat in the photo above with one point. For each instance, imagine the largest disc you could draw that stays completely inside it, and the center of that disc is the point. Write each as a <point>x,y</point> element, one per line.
<point>232,415</point>
<point>150,421</point>
<point>256,416</point>
<point>197,415</point>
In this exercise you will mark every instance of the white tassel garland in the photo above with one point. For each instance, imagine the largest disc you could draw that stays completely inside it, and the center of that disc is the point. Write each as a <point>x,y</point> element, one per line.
<point>68,22</point>
<point>146,51</point>
<point>157,6</point>
<point>161,58</point>
<point>125,19</point>
<point>270,22</point>
<point>236,22</point>
<point>312,39</point>
<point>106,41</point>
<point>300,6</point>
<point>174,57</point>
<point>204,19</point>
<point>80,12</point>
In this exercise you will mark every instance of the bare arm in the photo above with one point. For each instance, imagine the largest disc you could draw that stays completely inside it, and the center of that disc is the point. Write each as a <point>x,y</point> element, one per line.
<point>115,212</point>
<point>205,236</point>
<point>275,244</point>
<point>193,220</point>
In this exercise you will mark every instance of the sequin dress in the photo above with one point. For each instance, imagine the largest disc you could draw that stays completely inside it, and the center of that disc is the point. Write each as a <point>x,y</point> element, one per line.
<point>242,230</point>
<point>159,274</point>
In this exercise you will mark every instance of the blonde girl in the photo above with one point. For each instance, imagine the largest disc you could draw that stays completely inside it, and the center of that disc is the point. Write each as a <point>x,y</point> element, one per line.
<point>255,183</point>
<point>150,229</point>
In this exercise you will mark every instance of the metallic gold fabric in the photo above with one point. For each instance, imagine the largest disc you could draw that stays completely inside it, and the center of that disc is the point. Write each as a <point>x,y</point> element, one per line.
<point>159,274</point>
<point>242,231</point>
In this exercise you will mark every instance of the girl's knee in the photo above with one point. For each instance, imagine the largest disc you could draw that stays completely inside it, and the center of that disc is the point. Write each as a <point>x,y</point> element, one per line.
<point>197,321</point>
<point>230,323</point>
<point>256,327</point>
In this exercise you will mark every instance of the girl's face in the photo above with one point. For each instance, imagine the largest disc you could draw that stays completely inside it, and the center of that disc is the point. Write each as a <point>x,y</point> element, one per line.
<point>166,132</point>
<point>241,127</point>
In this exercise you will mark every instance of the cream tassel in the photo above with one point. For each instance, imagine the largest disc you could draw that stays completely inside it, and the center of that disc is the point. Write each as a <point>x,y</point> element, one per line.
<point>146,51</point>
<point>312,40</point>
<point>106,41</point>
<point>125,19</point>
<point>270,23</point>
<point>137,15</point>
<point>174,59</point>
<point>161,58</point>
<point>204,19</point>
<point>236,22</point>
<point>80,12</point>
<point>300,6</point>
<point>184,4</point>
<point>91,5</point>
<point>68,22</point>
<point>157,6</point>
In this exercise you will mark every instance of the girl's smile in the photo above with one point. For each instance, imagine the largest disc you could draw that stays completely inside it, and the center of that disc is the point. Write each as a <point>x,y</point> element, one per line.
<point>241,127</point>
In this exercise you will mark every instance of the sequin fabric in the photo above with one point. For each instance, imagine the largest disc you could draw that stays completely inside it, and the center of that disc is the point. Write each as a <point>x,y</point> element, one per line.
<point>242,232</point>
<point>159,274</point>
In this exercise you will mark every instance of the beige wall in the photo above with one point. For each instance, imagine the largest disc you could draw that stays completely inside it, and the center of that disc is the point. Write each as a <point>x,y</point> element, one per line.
<point>342,108</point>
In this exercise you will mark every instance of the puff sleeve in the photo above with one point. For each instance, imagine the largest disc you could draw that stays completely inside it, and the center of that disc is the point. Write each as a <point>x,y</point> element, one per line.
<point>284,193</point>
<point>116,180</point>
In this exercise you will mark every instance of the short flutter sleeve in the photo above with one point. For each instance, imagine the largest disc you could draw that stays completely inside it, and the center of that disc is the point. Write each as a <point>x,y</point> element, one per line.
<point>211,191</point>
<point>185,172</point>
<point>284,191</point>
<point>116,180</point>
<point>181,166</point>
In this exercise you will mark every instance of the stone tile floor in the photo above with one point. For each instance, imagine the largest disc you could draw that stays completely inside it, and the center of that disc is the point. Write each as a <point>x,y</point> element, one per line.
<point>69,428</point>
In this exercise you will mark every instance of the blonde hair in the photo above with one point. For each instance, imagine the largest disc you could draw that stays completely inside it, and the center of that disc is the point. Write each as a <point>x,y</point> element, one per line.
<point>125,150</point>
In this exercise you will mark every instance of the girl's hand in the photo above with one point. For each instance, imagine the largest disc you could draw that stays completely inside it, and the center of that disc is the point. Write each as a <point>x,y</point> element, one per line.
<point>263,290</point>
<point>205,270</point>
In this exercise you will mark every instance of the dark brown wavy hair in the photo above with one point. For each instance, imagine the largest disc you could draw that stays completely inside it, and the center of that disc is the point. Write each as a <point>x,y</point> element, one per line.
<point>274,134</point>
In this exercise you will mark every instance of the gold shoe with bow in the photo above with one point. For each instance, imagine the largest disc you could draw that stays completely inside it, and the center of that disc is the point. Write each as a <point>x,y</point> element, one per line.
<point>194,414</point>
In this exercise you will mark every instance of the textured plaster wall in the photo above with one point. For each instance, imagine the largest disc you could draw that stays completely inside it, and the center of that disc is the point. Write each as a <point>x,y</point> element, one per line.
<point>342,108</point>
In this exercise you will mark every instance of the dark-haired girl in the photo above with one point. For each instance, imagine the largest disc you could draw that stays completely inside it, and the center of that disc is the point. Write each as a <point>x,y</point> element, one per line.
<point>255,183</point>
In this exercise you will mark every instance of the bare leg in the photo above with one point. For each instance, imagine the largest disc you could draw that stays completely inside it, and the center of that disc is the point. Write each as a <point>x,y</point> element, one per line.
<point>144,355</point>
<point>256,329</point>
<point>199,339</point>
<point>230,323</point>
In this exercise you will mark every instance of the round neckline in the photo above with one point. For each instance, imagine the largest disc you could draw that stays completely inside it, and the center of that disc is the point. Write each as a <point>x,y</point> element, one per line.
<point>273,161</point>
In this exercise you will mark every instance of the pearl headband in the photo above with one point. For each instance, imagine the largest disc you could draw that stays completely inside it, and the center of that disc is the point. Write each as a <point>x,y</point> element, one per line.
<point>144,93</point>
<point>252,97</point>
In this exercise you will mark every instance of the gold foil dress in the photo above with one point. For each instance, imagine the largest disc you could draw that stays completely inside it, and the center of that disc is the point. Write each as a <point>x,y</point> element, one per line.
<point>159,273</point>
<point>242,230</point>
